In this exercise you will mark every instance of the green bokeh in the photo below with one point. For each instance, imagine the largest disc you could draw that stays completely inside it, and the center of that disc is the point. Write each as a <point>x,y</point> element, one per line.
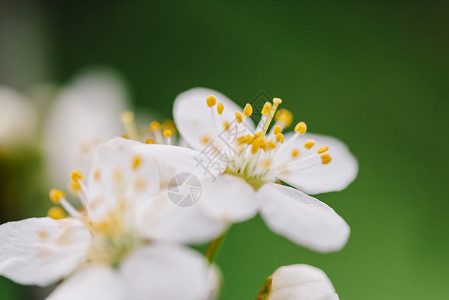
<point>374,74</point>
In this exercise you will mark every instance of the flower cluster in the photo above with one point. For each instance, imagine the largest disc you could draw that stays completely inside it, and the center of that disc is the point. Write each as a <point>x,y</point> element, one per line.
<point>123,228</point>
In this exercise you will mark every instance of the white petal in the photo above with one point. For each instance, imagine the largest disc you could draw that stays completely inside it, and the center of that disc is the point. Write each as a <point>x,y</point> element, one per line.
<point>84,114</point>
<point>161,220</point>
<point>301,282</point>
<point>160,271</point>
<point>335,176</point>
<point>40,251</point>
<point>171,161</point>
<point>302,218</point>
<point>194,120</point>
<point>114,176</point>
<point>18,118</point>
<point>229,199</point>
<point>92,283</point>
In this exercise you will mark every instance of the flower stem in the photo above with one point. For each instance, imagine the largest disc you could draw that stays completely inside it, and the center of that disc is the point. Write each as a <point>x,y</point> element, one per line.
<point>215,245</point>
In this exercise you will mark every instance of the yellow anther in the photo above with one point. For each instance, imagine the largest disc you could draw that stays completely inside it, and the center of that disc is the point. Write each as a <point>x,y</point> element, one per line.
<point>239,117</point>
<point>76,175</point>
<point>301,128</point>
<point>226,125</point>
<point>211,100</point>
<point>322,149</point>
<point>149,141</point>
<point>271,145</point>
<point>97,174</point>
<point>137,162</point>
<point>56,213</point>
<point>257,134</point>
<point>280,138</point>
<point>258,142</point>
<point>266,108</point>
<point>245,139</point>
<point>155,125</point>
<point>169,124</point>
<point>205,140</point>
<point>295,153</point>
<point>248,110</point>
<point>254,149</point>
<point>309,144</point>
<point>74,186</point>
<point>130,126</point>
<point>276,102</point>
<point>277,129</point>
<point>125,136</point>
<point>56,195</point>
<point>325,158</point>
<point>127,117</point>
<point>284,116</point>
<point>220,108</point>
<point>167,133</point>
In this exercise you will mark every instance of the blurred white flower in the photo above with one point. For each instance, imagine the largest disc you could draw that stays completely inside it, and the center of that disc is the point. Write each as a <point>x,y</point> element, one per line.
<point>298,282</point>
<point>246,168</point>
<point>83,114</point>
<point>124,244</point>
<point>18,120</point>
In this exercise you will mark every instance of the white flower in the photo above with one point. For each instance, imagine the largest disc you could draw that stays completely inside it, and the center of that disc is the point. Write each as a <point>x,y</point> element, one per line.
<point>83,114</point>
<point>246,168</point>
<point>298,282</point>
<point>18,120</point>
<point>122,245</point>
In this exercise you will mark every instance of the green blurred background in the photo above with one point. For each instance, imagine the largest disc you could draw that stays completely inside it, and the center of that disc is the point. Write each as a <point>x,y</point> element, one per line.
<point>373,73</point>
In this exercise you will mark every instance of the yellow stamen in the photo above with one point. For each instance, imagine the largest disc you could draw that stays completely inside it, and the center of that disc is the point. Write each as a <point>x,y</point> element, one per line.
<point>167,133</point>
<point>211,100</point>
<point>169,124</point>
<point>277,129</point>
<point>301,128</point>
<point>295,153</point>
<point>56,195</point>
<point>239,117</point>
<point>248,110</point>
<point>322,149</point>
<point>149,141</point>
<point>220,108</point>
<point>280,138</point>
<point>325,158</point>
<point>56,213</point>
<point>76,175</point>
<point>309,144</point>
<point>266,108</point>
<point>276,102</point>
<point>205,140</point>
<point>284,116</point>
<point>271,145</point>
<point>153,126</point>
<point>97,174</point>
<point>125,136</point>
<point>226,125</point>
<point>74,186</point>
<point>137,162</point>
<point>130,126</point>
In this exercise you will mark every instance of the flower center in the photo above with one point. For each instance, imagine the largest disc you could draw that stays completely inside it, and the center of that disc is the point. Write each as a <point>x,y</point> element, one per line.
<point>113,234</point>
<point>250,153</point>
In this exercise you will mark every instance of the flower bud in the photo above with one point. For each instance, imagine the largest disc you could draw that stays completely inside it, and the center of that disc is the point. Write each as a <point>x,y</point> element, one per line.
<point>297,282</point>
